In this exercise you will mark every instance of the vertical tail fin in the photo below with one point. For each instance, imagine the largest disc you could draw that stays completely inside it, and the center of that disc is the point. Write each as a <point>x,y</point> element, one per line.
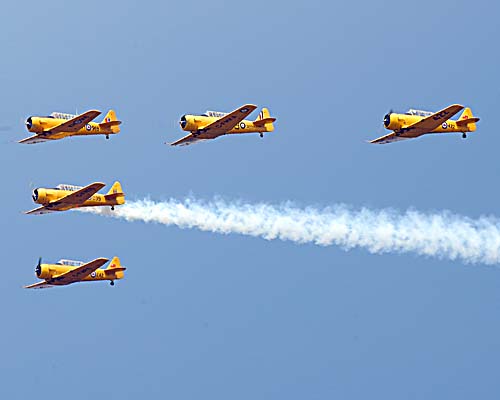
<point>467,120</point>
<point>110,116</point>
<point>115,263</point>
<point>116,188</point>
<point>116,193</point>
<point>115,268</point>
<point>264,119</point>
<point>111,122</point>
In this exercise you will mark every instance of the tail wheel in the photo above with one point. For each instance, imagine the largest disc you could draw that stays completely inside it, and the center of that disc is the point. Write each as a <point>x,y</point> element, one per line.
<point>464,135</point>
<point>112,283</point>
<point>261,134</point>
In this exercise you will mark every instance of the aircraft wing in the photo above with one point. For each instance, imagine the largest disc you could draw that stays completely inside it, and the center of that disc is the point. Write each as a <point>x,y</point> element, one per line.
<point>35,139</point>
<point>79,196</point>
<point>72,200</point>
<point>39,285</point>
<point>389,138</point>
<point>40,211</point>
<point>186,140</point>
<point>225,123</point>
<point>74,124</point>
<point>77,274</point>
<point>431,122</point>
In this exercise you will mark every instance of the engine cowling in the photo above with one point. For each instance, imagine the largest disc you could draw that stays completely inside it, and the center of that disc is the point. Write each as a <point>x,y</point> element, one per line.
<point>34,124</point>
<point>189,123</point>
<point>391,121</point>
<point>40,196</point>
<point>43,271</point>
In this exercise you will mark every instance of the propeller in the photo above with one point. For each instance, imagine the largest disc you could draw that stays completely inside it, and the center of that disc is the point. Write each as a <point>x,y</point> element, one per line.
<point>38,269</point>
<point>183,121</point>
<point>387,118</point>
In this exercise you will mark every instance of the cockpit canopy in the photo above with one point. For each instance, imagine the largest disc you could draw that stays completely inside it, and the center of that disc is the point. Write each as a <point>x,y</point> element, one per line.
<point>60,115</point>
<point>216,114</point>
<point>70,263</point>
<point>419,113</point>
<point>68,188</point>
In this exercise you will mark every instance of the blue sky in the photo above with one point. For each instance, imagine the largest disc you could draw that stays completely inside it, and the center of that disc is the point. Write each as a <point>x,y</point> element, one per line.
<point>221,316</point>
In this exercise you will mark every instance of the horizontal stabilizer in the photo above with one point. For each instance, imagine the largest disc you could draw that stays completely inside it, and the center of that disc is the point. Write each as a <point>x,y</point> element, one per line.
<point>113,196</point>
<point>464,122</point>
<point>110,271</point>
<point>262,122</point>
<point>109,124</point>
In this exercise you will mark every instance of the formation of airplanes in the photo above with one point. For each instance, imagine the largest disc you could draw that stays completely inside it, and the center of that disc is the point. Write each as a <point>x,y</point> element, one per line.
<point>201,127</point>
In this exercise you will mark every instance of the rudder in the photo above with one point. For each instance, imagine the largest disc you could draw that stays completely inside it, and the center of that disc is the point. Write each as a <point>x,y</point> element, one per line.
<point>110,116</point>
<point>111,122</point>
<point>467,120</point>
<point>264,119</point>
<point>116,192</point>
<point>115,268</point>
<point>116,188</point>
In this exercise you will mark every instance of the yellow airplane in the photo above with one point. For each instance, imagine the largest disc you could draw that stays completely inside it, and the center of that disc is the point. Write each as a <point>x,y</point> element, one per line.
<point>66,197</point>
<point>60,125</point>
<point>65,272</point>
<point>213,124</point>
<point>416,123</point>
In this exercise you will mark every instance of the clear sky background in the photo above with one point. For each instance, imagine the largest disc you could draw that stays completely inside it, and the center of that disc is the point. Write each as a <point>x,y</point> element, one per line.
<point>202,315</point>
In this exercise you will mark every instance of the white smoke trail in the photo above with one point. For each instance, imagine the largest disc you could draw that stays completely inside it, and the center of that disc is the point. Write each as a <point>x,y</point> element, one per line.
<point>442,235</point>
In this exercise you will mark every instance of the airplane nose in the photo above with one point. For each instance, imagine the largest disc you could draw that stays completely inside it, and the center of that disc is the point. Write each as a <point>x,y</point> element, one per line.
<point>183,122</point>
<point>38,269</point>
<point>387,120</point>
<point>35,195</point>
<point>29,123</point>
